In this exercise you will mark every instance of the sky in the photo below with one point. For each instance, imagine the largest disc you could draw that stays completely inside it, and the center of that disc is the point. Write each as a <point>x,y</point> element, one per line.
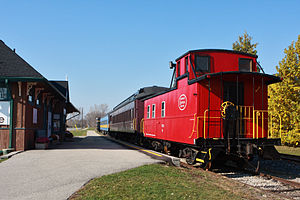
<point>109,49</point>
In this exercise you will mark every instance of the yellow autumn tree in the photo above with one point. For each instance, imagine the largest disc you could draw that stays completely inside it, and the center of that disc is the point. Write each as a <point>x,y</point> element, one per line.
<point>284,101</point>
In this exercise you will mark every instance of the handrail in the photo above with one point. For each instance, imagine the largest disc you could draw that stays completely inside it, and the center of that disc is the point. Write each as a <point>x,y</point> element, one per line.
<point>193,130</point>
<point>142,125</point>
<point>198,127</point>
<point>133,124</point>
<point>204,133</point>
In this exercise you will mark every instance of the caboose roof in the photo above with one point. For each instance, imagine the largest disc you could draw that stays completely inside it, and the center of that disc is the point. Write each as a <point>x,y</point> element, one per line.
<point>217,50</point>
<point>269,79</point>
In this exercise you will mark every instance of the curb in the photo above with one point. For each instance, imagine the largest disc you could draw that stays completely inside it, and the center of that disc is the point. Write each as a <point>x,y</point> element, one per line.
<point>11,154</point>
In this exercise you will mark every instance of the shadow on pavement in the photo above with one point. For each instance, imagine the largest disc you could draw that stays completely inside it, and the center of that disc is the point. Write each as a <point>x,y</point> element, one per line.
<point>88,142</point>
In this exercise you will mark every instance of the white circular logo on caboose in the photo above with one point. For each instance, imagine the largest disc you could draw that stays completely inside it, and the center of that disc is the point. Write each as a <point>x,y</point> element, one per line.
<point>182,102</point>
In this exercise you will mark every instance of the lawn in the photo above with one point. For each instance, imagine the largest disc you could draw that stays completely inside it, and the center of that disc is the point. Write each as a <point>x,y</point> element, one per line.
<point>79,132</point>
<point>162,182</point>
<point>288,150</point>
<point>1,160</point>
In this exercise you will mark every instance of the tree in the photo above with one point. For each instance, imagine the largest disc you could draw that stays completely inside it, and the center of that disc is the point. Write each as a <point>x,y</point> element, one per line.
<point>95,111</point>
<point>244,44</point>
<point>285,96</point>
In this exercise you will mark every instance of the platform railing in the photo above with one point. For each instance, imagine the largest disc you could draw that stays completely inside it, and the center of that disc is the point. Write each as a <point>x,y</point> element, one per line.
<point>260,120</point>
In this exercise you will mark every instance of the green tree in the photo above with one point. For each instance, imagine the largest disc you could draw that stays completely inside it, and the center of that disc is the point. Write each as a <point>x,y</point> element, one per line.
<point>285,96</point>
<point>244,44</point>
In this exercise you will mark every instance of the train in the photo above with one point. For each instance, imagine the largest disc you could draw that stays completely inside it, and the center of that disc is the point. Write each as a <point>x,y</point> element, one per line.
<point>102,124</point>
<point>216,106</point>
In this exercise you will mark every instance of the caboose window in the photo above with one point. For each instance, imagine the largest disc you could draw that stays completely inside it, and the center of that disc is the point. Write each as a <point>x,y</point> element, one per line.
<point>245,65</point>
<point>148,112</point>
<point>163,110</point>
<point>178,68</point>
<point>202,63</point>
<point>153,110</point>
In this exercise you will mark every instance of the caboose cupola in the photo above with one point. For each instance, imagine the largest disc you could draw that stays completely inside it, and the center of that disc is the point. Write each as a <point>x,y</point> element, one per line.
<point>199,62</point>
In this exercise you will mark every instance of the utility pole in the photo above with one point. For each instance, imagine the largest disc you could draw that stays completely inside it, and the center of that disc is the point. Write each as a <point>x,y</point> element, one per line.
<point>82,118</point>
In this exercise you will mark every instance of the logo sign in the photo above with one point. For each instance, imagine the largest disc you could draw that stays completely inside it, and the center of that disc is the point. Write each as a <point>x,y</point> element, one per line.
<point>182,102</point>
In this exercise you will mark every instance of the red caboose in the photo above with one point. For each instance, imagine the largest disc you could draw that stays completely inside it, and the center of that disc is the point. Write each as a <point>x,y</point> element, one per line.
<point>218,102</point>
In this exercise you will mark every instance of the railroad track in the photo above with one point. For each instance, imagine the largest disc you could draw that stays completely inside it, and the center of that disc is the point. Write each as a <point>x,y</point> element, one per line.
<point>283,188</point>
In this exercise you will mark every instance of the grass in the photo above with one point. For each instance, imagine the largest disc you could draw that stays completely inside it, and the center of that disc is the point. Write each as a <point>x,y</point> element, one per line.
<point>79,132</point>
<point>156,182</point>
<point>1,160</point>
<point>288,150</point>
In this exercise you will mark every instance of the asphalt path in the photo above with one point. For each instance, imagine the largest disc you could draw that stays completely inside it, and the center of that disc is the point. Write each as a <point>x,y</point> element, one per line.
<point>58,173</point>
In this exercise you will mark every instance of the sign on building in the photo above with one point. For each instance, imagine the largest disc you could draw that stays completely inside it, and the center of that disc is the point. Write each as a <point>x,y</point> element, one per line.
<point>34,117</point>
<point>4,112</point>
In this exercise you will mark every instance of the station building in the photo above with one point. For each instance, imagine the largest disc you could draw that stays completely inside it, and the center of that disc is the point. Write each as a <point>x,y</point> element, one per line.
<point>30,105</point>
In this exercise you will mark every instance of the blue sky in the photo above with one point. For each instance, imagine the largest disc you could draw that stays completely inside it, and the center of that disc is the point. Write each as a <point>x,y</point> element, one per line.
<point>110,49</point>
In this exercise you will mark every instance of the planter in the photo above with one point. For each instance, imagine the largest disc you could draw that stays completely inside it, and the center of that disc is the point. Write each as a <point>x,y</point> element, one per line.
<point>41,145</point>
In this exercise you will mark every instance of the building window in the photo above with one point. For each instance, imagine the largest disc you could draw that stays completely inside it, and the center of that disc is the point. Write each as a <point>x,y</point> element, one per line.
<point>153,110</point>
<point>148,112</point>
<point>178,68</point>
<point>245,65</point>
<point>163,109</point>
<point>3,94</point>
<point>186,64</point>
<point>202,64</point>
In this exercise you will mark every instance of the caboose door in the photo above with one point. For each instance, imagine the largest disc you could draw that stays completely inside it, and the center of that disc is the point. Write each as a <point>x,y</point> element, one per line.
<point>233,92</point>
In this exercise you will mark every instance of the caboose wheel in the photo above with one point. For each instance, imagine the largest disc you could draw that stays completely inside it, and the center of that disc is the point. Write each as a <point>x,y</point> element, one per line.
<point>190,156</point>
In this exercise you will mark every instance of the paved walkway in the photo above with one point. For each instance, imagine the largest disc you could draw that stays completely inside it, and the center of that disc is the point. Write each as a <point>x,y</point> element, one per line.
<point>58,173</point>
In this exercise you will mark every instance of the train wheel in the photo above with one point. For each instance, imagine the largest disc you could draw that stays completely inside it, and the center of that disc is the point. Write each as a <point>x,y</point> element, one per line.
<point>190,156</point>
<point>157,146</point>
